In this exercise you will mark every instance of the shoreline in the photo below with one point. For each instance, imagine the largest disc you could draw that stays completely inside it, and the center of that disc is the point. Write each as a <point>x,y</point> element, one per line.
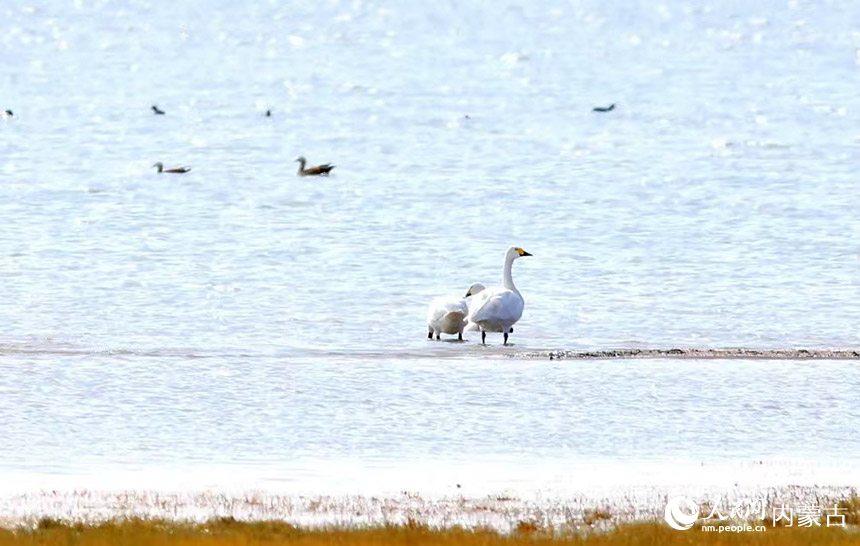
<point>486,493</point>
<point>500,512</point>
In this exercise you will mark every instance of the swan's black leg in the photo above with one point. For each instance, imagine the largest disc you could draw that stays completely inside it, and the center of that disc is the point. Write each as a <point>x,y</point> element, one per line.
<point>438,336</point>
<point>506,338</point>
<point>430,334</point>
<point>483,338</point>
<point>460,336</point>
<point>511,330</point>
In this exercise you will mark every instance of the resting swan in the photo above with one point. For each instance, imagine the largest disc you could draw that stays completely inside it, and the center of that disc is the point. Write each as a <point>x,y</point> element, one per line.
<point>448,314</point>
<point>497,309</point>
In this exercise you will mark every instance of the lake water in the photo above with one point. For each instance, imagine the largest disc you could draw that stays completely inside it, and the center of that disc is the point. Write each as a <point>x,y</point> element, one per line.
<point>239,315</point>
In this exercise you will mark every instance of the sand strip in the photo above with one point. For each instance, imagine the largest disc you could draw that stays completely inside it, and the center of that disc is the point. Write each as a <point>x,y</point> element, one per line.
<point>752,354</point>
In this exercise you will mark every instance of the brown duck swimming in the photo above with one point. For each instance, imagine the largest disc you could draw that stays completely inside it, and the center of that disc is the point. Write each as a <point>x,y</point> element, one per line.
<point>161,169</point>
<point>315,170</point>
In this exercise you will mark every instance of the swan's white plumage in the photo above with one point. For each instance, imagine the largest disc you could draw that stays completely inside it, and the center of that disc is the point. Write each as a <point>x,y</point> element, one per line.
<point>447,314</point>
<point>497,309</point>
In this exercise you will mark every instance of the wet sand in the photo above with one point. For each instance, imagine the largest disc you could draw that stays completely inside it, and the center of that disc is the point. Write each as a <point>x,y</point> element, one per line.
<point>693,353</point>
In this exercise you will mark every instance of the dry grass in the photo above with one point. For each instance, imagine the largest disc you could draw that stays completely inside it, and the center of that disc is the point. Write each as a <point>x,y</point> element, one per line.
<point>526,527</point>
<point>851,509</point>
<point>591,517</point>
<point>229,532</point>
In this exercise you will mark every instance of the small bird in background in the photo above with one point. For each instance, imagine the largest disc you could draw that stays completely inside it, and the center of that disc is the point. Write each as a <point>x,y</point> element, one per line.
<point>315,170</point>
<point>609,108</point>
<point>268,113</point>
<point>8,114</point>
<point>156,111</point>
<point>176,170</point>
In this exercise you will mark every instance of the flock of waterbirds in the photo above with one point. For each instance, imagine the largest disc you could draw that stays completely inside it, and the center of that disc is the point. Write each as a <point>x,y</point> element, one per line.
<point>494,309</point>
<point>314,170</point>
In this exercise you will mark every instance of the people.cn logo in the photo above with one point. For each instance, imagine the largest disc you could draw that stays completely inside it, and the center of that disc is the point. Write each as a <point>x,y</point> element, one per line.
<point>679,519</point>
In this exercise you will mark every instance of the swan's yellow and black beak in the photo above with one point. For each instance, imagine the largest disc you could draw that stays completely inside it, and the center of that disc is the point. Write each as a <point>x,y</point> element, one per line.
<point>522,252</point>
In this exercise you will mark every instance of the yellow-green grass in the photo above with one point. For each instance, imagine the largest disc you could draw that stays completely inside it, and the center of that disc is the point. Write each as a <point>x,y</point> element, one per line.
<point>229,532</point>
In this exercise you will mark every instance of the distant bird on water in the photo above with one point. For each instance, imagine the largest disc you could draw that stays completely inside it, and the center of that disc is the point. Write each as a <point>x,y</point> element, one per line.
<point>268,113</point>
<point>609,108</point>
<point>161,169</point>
<point>315,170</point>
<point>8,114</point>
<point>156,111</point>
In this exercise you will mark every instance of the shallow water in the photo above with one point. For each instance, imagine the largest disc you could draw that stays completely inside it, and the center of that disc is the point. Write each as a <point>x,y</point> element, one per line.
<point>357,425</point>
<point>239,313</point>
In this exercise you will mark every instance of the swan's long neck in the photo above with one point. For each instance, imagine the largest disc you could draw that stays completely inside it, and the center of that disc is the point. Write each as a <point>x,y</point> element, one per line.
<point>301,166</point>
<point>508,278</point>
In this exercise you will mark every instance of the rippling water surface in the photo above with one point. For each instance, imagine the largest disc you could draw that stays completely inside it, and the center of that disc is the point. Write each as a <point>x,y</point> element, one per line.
<point>240,314</point>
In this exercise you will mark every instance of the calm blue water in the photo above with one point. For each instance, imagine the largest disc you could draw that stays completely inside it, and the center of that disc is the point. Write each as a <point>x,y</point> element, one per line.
<point>239,313</point>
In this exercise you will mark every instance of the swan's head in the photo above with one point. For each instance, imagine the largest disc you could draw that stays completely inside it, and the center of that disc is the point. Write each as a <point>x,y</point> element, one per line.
<point>474,289</point>
<point>516,252</point>
<point>158,165</point>
<point>301,159</point>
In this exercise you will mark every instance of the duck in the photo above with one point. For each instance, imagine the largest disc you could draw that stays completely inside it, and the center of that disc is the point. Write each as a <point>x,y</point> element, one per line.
<point>315,170</point>
<point>156,111</point>
<point>161,169</point>
<point>8,114</point>
<point>497,309</point>
<point>609,108</point>
<point>447,315</point>
<point>268,113</point>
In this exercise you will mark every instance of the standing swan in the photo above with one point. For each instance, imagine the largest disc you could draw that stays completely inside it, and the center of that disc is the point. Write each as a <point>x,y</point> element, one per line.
<point>497,309</point>
<point>447,315</point>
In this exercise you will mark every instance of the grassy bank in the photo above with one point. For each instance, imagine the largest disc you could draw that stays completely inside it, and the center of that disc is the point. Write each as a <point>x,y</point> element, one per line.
<point>228,532</point>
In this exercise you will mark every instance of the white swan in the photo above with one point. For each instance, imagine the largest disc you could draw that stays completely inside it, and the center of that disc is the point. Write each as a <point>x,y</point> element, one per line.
<point>448,314</point>
<point>497,309</point>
